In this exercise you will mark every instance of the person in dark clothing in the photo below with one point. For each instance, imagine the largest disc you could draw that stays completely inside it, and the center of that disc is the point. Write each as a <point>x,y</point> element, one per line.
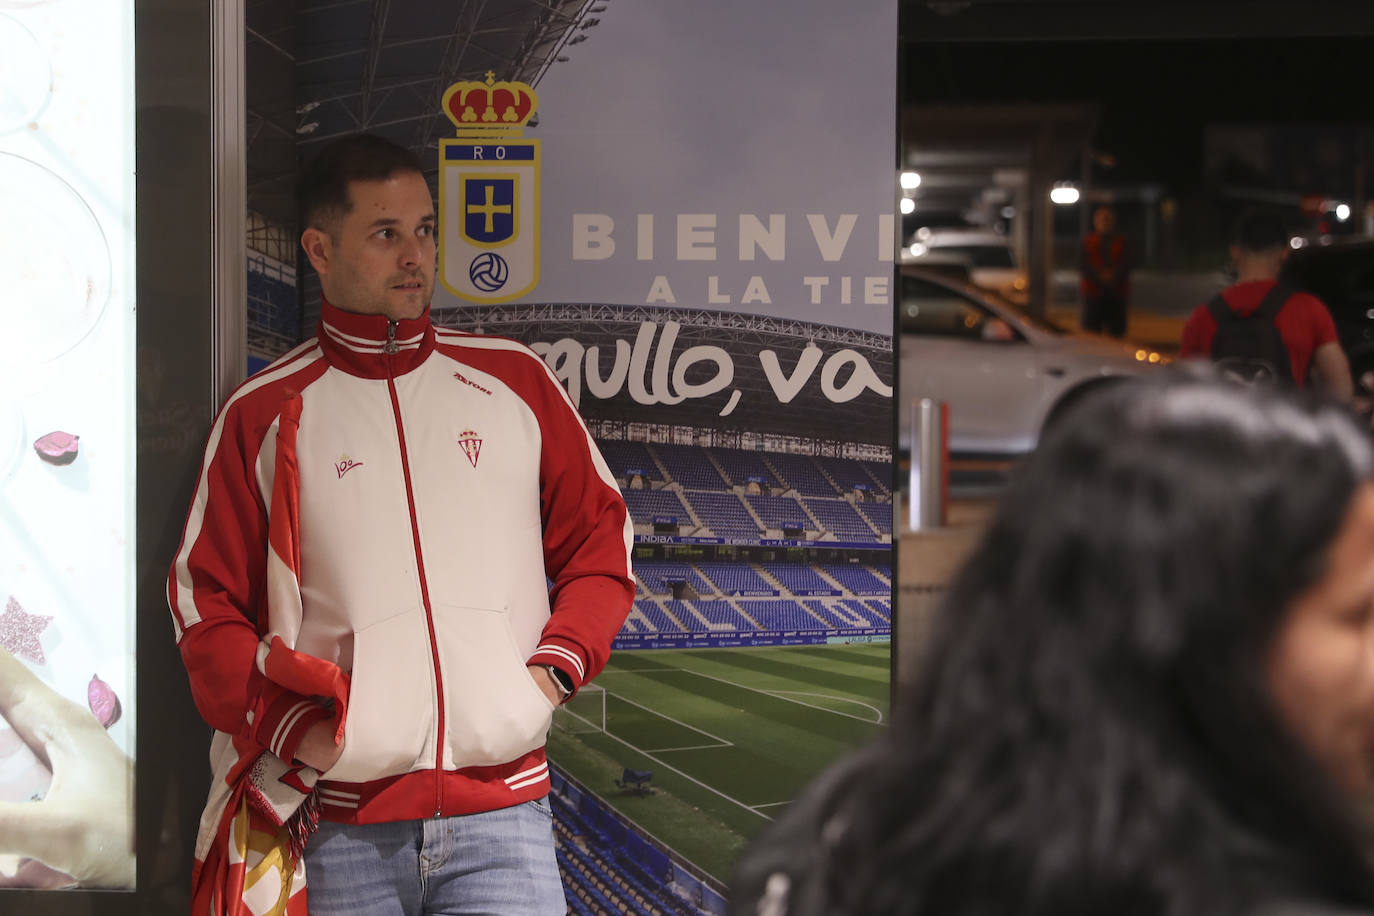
<point>1104,283</point>
<point>1150,690</point>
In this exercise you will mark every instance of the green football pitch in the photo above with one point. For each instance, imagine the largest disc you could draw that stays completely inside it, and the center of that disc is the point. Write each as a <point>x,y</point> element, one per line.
<point>731,735</point>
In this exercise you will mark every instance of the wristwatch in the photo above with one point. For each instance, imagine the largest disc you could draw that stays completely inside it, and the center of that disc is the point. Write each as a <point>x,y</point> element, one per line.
<point>560,680</point>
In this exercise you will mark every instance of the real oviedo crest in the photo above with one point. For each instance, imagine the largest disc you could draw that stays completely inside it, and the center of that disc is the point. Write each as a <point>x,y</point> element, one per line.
<point>489,193</point>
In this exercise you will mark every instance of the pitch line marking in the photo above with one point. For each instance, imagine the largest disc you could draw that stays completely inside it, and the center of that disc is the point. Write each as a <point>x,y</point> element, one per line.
<point>693,747</point>
<point>830,696</point>
<point>637,670</point>
<point>669,766</point>
<point>773,804</point>
<point>775,695</point>
<point>718,738</point>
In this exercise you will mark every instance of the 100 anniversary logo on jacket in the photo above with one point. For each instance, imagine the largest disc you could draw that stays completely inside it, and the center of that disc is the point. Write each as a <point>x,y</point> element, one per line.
<point>489,193</point>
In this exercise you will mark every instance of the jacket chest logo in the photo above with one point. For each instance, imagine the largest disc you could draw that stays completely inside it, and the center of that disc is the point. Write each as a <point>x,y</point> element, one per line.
<point>344,465</point>
<point>470,383</point>
<point>471,444</point>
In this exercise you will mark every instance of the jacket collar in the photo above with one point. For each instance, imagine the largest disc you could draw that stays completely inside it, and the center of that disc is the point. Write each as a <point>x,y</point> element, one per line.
<point>358,344</point>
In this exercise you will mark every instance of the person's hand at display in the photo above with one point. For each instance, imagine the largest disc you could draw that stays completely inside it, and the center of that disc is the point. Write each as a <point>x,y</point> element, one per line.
<point>84,825</point>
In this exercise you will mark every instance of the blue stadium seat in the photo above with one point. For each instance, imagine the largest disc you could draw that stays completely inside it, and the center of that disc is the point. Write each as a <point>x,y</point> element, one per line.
<point>780,512</point>
<point>861,610</point>
<point>741,465</point>
<point>845,616</point>
<point>689,466</point>
<point>691,621</point>
<point>881,473</point>
<point>723,513</point>
<point>797,577</point>
<point>723,612</point>
<point>800,473</point>
<point>646,505</point>
<point>850,474</point>
<point>880,514</point>
<point>622,456</point>
<point>657,576</point>
<point>779,614</point>
<point>660,621</point>
<point>857,579</point>
<point>840,518</point>
<point>615,870</point>
<point>829,616</point>
<point>735,577</point>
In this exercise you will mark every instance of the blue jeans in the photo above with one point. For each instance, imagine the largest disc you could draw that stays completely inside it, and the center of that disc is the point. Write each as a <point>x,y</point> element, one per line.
<point>498,863</point>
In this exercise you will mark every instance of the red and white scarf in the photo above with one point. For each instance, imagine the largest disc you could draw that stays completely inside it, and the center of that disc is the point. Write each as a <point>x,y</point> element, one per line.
<point>262,810</point>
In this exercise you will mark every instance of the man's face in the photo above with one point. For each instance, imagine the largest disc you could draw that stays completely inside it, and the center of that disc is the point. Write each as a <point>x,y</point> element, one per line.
<point>1104,220</point>
<point>379,258</point>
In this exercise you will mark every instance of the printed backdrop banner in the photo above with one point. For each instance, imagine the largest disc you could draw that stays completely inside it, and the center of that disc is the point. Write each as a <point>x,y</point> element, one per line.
<point>711,155</point>
<point>703,165</point>
<point>690,215</point>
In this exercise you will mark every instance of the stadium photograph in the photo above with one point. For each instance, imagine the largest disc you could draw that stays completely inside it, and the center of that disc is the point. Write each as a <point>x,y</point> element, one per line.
<point>756,466</point>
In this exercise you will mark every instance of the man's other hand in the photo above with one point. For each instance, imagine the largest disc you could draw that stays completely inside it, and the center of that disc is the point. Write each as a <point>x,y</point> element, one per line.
<point>545,681</point>
<point>317,748</point>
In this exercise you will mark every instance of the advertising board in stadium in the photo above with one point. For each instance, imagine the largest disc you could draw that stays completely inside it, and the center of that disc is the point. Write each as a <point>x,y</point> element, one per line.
<point>779,638</point>
<point>749,542</point>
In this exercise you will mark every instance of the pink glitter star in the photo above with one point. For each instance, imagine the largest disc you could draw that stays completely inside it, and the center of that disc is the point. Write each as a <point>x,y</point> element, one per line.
<point>19,631</point>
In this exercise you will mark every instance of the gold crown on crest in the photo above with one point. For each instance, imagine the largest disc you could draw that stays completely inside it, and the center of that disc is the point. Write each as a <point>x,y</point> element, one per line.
<point>490,107</point>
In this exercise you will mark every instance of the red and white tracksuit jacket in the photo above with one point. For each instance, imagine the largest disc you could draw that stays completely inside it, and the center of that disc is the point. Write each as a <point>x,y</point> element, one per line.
<point>436,478</point>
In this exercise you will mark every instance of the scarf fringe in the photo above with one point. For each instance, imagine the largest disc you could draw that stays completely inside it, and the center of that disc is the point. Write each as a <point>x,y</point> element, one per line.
<point>302,824</point>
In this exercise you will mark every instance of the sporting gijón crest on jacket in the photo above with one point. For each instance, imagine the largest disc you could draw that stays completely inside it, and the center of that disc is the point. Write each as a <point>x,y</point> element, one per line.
<point>438,477</point>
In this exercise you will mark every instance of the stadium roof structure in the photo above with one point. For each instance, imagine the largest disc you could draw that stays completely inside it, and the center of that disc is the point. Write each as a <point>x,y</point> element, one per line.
<point>320,69</point>
<point>621,336</point>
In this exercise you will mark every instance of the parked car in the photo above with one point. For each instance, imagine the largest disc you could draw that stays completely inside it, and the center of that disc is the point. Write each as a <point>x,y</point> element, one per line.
<point>990,256</point>
<point>950,266</point>
<point>1002,373</point>
<point>1341,274</point>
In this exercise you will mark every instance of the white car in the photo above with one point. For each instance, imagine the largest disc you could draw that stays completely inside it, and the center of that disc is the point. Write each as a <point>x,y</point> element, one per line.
<point>991,259</point>
<point>1001,372</point>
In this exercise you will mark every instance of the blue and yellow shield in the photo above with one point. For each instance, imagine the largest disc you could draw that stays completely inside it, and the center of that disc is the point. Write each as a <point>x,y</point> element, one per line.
<point>489,217</point>
<point>490,209</point>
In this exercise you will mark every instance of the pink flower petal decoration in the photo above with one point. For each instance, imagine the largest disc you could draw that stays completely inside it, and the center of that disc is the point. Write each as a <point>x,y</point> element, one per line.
<point>103,702</point>
<point>57,447</point>
<point>20,631</point>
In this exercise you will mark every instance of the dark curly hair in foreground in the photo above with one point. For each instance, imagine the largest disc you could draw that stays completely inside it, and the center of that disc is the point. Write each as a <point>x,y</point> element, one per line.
<point>1090,731</point>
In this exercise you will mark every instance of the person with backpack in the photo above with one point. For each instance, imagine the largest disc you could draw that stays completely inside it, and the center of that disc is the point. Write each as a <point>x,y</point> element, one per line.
<point>1256,330</point>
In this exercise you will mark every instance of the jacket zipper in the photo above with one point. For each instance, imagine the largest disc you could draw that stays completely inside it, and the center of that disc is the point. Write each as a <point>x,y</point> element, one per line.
<point>390,348</point>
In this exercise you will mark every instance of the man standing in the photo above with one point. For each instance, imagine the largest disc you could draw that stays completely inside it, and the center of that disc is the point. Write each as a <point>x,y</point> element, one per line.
<point>1104,282</point>
<point>360,594</point>
<point>1256,328</point>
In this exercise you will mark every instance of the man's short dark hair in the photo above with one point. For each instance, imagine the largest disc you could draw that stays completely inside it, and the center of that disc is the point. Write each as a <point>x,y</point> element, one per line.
<point>322,192</point>
<point>1260,229</point>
